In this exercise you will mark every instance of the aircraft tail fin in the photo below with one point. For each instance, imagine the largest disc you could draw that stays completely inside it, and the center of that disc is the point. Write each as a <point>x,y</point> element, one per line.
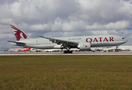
<point>19,34</point>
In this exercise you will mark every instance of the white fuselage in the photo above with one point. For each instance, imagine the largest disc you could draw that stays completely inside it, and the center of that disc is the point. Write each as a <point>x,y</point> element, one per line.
<point>95,41</point>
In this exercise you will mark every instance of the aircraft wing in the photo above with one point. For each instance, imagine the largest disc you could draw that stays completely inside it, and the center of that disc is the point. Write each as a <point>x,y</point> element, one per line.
<point>59,41</point>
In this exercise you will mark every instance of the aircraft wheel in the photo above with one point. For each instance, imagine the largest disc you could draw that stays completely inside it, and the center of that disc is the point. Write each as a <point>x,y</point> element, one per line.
<point>70,51</point>
<point>67,51</point>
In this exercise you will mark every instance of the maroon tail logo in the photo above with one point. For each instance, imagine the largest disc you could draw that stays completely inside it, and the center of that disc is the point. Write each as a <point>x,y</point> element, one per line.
<point>18,33</point>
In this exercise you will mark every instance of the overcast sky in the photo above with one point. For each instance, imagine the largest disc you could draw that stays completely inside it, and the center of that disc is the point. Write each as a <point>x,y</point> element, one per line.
<point>54,18</point>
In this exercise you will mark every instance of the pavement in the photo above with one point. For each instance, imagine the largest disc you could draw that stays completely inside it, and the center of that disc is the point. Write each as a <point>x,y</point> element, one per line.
<point>61,53</point>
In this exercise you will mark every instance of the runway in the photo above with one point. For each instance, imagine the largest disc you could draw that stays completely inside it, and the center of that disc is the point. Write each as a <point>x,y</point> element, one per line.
<point>61,53</point>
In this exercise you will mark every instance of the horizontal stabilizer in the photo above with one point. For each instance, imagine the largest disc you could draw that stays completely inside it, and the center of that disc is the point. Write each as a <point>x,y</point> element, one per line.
<point>17,43</point>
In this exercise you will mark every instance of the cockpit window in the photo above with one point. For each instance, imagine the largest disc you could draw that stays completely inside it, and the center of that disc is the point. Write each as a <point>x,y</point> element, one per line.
<point>123,38</point>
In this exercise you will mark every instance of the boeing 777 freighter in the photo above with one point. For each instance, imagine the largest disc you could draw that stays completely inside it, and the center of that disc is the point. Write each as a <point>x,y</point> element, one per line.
<point>80,42</point>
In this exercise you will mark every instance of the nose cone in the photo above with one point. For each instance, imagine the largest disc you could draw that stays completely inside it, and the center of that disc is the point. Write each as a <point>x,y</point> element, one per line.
<point>125,40</point>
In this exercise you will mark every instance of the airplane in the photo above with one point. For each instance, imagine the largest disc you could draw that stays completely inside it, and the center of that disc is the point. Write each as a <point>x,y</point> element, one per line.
<point>80,42</point>
<point>120,48</point>
<point>27,49</point>
<point>19,49</point>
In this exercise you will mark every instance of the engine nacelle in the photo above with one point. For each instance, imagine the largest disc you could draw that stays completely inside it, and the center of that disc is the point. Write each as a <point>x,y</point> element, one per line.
<point>84,46</point>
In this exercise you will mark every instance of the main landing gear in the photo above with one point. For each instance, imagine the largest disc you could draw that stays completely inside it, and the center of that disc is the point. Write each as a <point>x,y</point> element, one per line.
<point>67,50</point>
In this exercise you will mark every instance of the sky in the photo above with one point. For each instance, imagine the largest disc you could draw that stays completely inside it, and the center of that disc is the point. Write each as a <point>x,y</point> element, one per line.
<point>58,18</point>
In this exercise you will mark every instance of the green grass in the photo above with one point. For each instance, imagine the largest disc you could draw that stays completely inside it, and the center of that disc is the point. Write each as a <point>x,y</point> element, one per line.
<point>66,72</point>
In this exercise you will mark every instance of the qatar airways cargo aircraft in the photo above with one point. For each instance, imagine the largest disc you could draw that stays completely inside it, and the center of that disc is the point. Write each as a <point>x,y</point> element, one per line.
<point>80,42</point>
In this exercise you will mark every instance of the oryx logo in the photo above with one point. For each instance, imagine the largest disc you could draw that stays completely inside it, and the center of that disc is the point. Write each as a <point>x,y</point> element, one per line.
<point>18,33</point>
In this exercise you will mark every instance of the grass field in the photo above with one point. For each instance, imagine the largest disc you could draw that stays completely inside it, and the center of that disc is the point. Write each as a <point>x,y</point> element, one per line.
<point>66,72</point>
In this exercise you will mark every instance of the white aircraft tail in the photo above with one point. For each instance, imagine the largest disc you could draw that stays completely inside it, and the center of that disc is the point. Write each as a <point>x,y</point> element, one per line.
<point>19,34</point>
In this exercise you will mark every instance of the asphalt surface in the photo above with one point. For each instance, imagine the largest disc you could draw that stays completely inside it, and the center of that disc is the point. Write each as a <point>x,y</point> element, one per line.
<point>61,53</point>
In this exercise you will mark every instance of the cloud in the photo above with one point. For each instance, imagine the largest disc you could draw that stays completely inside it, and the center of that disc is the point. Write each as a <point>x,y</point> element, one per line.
<point>125,7</point>
<point>2,36</point>
<point>66,17</point>
<point>120,25</point>
<point>6,21</point>
<point>59,25</point>
<point>7,1</point>
<point>40,27</point>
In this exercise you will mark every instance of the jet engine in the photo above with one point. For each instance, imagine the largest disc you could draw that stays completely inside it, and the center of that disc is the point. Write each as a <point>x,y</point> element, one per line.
<point>84,46</point>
